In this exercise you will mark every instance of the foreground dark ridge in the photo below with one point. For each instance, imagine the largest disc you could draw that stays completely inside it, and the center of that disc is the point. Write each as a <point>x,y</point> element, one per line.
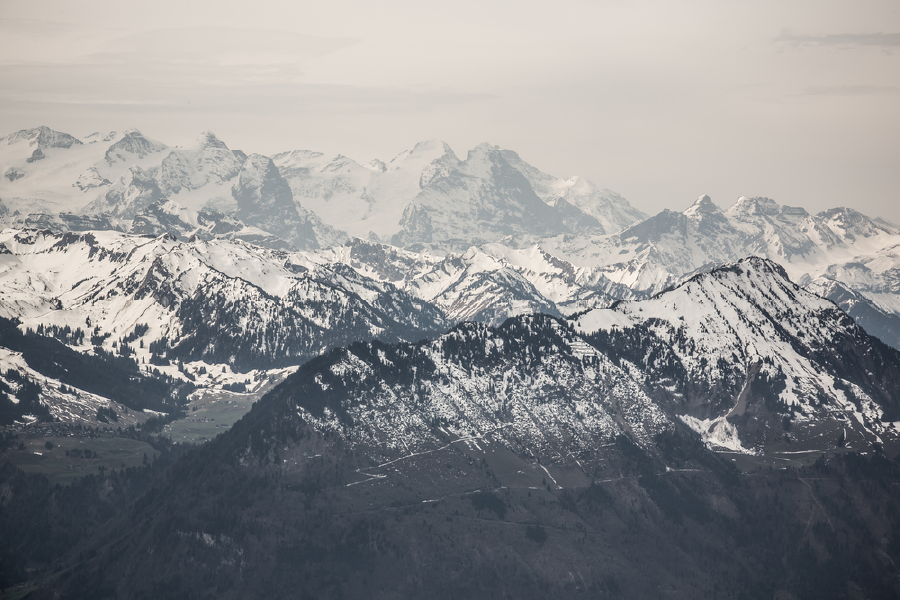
<point>210,527</point>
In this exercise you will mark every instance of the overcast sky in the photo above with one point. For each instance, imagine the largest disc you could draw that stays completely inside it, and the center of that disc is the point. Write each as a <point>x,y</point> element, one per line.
<point>660,101</point>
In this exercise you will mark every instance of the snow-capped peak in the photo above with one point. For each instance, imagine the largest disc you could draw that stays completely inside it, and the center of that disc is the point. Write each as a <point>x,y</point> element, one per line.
<point>340,164</point>
<point>133,191</point>
<point>849,222</point>
<point>132,145</point>
<point>484,151</point>
<point>376,165</point>
<point>751,207</point>
<point>745,329</point>
<point>208,139</point>
<point>703,205</point>
<point>578,185</point>
<point>421,154</point>
<point>43,137</point>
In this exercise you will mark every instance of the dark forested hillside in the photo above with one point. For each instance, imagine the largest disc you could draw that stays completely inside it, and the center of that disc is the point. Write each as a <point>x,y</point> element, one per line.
<point>214,528</point>
<point>41,525</point>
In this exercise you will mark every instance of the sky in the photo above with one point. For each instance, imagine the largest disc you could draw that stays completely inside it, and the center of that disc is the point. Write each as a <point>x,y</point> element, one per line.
<point>795,100</point>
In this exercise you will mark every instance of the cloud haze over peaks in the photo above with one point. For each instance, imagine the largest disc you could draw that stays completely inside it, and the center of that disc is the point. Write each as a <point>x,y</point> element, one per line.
<point>209,46</point>
<point>274,55</point>
<point>844,40</point>
<point>850,90</point>
<point>221,88</point>
<point>232,70</point>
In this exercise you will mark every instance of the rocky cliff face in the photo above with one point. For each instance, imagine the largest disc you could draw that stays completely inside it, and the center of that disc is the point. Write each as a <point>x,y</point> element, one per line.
<point>40,138</point>
<point>131,146</point>
<point>207,161</point>
<point>478,200</point>
<point>264,200</point>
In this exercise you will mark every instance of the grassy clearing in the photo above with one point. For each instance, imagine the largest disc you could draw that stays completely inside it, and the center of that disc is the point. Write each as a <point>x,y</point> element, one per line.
<point>108,453</point>
<point>213,411</point>
<point>210,414</point>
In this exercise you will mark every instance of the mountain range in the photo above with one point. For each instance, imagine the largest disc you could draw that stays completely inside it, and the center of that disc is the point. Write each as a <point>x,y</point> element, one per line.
<point>481,239</point>
<point>434,376</point>
<point>189,310</point>
<point>428,202</point>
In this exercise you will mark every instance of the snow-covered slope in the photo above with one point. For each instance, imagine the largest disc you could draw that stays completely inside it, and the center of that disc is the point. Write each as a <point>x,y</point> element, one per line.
<point>531,385</point>
<point>63,403</point>
<point>427,197</point>
<point>366,201</point>
<point>140,185</point>
<point>744,355</point>
<point>884,325</point>
<point>475,201</point>
<point>207,161</point>
<point>472,286</point>
<point>487,284</point>
<point>740,354</point>
<point>218,301</point>
<point>128,196</point>
<point>264,200</point>
<point>611,212</point>
<point>70,173</point>
<point>541,243</point>
<point>841,244</point>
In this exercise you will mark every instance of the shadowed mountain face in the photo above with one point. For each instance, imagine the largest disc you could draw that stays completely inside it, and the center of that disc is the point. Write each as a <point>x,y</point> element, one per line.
<point>576,195</point>
<point>264,200</point>
<point>876,321</point>
<point>479,200</point>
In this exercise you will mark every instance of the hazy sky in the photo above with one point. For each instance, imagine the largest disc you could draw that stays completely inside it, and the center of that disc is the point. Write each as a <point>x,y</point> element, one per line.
<point>660,101</point>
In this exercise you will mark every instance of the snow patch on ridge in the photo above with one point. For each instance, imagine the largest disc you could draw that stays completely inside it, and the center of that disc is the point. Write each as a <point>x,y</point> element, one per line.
<point>717,434</point>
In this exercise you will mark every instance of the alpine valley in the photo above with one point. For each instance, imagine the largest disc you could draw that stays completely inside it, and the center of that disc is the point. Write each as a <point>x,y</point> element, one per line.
<point>233,375</point>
